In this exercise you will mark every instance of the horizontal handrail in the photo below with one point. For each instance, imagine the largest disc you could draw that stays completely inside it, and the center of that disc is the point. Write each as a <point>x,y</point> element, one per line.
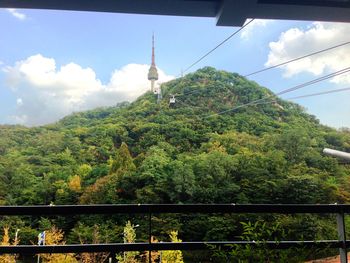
<point>174,208</point>
<point>119,247</point>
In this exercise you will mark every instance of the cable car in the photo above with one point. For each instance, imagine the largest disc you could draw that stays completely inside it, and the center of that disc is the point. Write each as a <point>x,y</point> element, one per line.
<point>172,99</point>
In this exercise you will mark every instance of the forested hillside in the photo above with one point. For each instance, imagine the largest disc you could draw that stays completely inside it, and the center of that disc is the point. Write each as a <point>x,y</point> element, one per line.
<point>146,152</point>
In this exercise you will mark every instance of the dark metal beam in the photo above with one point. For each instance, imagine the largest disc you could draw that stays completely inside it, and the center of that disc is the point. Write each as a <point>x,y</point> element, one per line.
<point>235,12</point>
<point>118,247</point>
<point>227,12</point>
<point>171,208</point>
<point>327,3</point>
<point>201,8</point>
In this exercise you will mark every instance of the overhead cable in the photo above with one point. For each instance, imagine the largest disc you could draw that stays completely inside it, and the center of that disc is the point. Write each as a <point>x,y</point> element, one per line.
<point>286,62</point>
<point>308,95</point>
<point>332,75</point>
<point>319,93</point>
<point>296,59</point>
<point>186,104</point>
<point>217,46</point>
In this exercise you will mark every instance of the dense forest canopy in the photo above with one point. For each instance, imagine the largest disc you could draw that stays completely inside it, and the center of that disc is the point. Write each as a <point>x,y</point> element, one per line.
<point>144,152</point>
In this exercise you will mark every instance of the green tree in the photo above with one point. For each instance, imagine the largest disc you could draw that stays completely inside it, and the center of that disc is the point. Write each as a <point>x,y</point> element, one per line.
<point>295,143</point>
<point>123,161</point>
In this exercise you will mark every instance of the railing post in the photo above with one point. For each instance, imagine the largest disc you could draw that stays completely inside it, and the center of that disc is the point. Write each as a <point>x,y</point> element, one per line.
<point>342,237</point>
<point>150,236</point>
<point>113,256</point>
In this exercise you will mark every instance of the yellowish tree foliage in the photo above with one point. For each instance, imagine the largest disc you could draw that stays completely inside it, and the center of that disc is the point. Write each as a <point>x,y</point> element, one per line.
<point>173,256</point>
<point>96,192</point>
<point>129,237</point>
<point>216,146</point>
<point>54,236</point>
<point>84,170</point>
<point>7,258</point>
<point>75,183</point>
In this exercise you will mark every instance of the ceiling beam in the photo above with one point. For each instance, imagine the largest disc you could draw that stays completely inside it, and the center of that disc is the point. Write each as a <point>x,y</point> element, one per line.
<point>201,8</point>
<point>227,12</point>
<point>235,12</point>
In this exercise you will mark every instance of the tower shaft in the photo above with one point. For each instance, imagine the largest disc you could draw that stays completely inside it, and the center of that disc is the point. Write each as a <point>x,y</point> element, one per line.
<point>153,73</point>
<point>153,58</point>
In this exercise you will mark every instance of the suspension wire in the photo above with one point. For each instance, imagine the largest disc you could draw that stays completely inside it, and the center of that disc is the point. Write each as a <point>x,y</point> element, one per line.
<point>332,75</point>
<point>187,105</point>
<point>319,93</point>
<point>217,46</point>
<point>284,63</point>
<point>296,59</point>
<point>308,95</point>
<point>265,69</point>
<point>189,93</point>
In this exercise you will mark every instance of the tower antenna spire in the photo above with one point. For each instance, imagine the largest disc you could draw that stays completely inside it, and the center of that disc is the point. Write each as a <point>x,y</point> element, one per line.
<point>153,56</point>
<point>153,73</point>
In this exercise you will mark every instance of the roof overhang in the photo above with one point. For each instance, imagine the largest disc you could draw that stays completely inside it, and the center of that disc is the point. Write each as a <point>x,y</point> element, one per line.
<point>227,12</point>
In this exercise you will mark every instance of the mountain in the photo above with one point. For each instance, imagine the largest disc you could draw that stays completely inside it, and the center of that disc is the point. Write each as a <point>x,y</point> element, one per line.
<point>180,133</point>
<point>144,152</point>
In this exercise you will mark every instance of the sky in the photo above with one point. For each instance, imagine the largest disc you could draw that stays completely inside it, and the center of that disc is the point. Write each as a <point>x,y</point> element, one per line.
<point>53,63</point>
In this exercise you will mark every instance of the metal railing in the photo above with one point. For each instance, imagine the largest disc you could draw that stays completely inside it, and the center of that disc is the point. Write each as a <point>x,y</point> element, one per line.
<point>150,209</point>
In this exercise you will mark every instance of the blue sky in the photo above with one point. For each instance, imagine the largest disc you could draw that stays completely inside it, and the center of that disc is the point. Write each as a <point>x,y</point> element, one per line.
<point>55,62</point>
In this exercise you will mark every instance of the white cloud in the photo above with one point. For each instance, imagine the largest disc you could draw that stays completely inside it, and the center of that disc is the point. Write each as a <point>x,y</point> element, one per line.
<point>19,102</point>
<point>249,30</point>
<point>46,93</point>
<point>297,42</point>
<point>17,14</point>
